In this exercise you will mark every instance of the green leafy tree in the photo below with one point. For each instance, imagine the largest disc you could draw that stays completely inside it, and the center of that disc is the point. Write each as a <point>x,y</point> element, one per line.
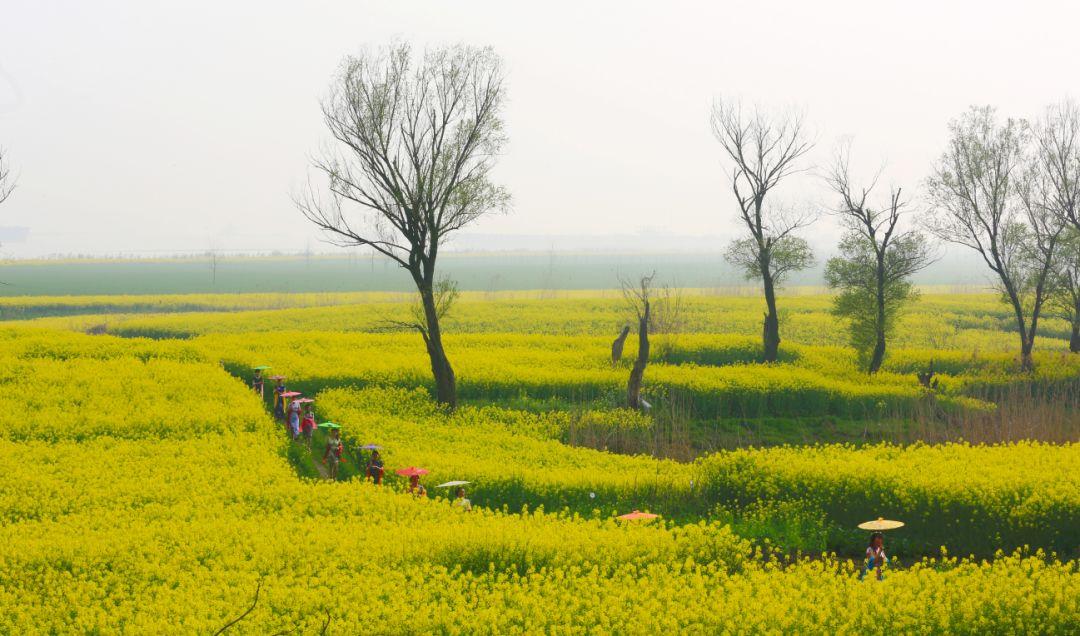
<point>874,289</point>
<point>877,258</point>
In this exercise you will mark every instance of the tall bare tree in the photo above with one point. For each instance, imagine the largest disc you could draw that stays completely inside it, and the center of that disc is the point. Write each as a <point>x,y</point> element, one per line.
<point>764,149</point>
<point>416,140</point>
<point>1057,158</point>
<point>985,197</point>
<point>7,180</point>
<point>878,255</point>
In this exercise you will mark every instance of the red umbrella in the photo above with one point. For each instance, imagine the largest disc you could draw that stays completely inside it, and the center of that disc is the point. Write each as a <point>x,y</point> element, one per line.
<point>411,471</point>
<point>277,377</point>
<point>289,394</point>
<point>631,516</point>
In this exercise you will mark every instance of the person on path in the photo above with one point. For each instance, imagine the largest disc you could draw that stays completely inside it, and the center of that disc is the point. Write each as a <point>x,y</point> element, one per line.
<point>294,419</point>
<point>257,382</point>
<point>375,467</point>
<point>875,556</point>
<point>307,425</point>
<point>279,402</point>
<point>460,500</point>
<point>332,455</point>
<point>415,487</point>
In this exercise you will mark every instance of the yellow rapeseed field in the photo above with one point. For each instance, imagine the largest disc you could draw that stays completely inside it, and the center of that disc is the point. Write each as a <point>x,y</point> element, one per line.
<point>147,490</point>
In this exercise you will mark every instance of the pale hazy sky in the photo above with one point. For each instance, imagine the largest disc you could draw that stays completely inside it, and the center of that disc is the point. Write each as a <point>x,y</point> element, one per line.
<point>186,125</point>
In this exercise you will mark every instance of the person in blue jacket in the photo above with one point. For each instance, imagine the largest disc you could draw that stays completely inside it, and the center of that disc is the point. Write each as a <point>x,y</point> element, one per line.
<point>876,560</point>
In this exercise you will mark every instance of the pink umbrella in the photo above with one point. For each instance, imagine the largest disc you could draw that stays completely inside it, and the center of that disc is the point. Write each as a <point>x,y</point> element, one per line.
<point>633,516</point>
<point>411,471</point>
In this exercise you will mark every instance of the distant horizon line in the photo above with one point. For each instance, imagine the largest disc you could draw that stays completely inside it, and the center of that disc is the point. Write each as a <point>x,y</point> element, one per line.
<point>343,253</point>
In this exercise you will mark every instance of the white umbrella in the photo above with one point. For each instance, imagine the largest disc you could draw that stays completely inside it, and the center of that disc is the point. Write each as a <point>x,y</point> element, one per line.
<point>881,524</point>
<point>451,484</point>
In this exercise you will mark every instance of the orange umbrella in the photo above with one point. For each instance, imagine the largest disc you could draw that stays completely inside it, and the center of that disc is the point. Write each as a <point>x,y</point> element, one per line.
<point>411,471</point>
<point>637,514</point>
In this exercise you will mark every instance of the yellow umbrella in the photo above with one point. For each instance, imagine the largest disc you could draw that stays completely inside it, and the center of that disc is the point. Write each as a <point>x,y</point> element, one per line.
<point>880,524</point>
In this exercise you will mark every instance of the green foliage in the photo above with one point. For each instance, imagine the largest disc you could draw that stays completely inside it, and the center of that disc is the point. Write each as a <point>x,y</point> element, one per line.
<point>782,257</point>
<point>872,293</point>
<point>1065,301</point>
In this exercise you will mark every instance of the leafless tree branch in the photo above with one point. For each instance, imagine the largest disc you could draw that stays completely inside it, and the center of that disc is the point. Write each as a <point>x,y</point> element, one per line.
<point>7,180</point>
<point>1057,155</point>
<point>254,602</point>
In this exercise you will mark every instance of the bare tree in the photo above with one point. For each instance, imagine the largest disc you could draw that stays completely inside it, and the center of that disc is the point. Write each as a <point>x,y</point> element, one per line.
<point>983,198</point>
<point>212,260</point>
<point>416,142</point>
<point>7,180</point>
<point>668,319</point>
<point>668,309</point>
<point>877,257</point>
<point>1057,158</point>
<point>639,295</point>
<point>764,149</point>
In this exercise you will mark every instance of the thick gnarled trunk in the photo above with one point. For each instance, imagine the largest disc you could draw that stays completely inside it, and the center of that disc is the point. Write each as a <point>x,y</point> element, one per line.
<point>1027,336</point>
<point>771,328</point>
<point>637,373</point>
<point>1027,361</point>
<point>445,382</point>
<point>878,357</point>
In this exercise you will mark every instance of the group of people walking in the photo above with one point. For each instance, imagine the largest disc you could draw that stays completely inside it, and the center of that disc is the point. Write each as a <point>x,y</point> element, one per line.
<point>298,415</point>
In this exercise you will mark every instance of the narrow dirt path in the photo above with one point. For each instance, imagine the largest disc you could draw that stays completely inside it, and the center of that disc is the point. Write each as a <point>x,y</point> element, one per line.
<point>319,466</point>
<point>315,460</point>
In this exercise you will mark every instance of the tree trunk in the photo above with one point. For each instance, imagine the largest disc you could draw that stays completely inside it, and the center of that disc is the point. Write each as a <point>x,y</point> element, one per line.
<point>445,382</point>
<point>637,374</point>
<point>771,329</point>
<point>1027,362</point>
<point>1026,343</point>
<point>617,346</point>
<point>878,356</point>
<point>879,325</point>
<point>1074,341</point>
